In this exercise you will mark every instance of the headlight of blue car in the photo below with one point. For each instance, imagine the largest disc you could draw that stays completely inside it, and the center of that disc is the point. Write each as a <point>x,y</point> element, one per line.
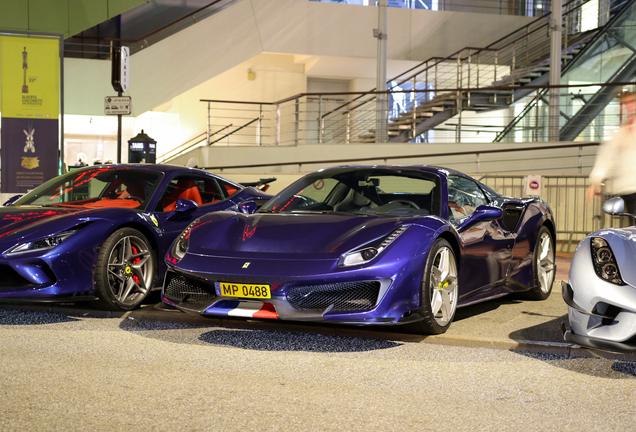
<point>605,264</point>
<point>368,252</point>
<point>41,244</point>
<point>182,243</point>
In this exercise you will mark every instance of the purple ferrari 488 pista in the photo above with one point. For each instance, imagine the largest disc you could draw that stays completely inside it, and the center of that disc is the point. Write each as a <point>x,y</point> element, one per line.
<point>365,245</point>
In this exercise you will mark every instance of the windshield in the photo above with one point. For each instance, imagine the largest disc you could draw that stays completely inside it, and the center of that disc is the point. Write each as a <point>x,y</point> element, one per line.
<point>96,188</point>
<point>371,191</point>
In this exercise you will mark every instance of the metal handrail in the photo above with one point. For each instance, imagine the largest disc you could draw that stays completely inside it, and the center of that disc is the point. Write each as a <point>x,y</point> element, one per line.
<point>182,145</point>
<point>449,89</point>
<point>451,56</point>
<point>392,157</point>
<point>236,130</point>
<point>565,69</point>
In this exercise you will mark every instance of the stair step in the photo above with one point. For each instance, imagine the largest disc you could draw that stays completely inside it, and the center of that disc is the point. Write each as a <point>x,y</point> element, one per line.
<point>402,121</point>
<point>372,134</point>
<point>393,127</point>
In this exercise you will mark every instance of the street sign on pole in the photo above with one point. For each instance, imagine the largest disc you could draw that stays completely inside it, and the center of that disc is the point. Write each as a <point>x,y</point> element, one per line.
<point>117,105</point>
<point>124,68</point>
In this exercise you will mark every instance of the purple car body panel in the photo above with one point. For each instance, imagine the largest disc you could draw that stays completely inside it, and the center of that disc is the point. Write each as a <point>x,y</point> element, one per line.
<point>65,272</point>
<point>287,251</point>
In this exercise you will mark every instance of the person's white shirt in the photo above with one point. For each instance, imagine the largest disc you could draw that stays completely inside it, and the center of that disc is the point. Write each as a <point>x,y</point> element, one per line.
<point>616,161</point>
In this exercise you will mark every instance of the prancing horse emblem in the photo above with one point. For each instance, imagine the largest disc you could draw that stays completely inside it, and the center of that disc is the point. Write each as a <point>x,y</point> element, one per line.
<point>246,265</point>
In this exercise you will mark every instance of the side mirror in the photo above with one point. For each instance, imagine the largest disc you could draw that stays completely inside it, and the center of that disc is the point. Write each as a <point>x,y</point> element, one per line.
<point>11,200</point>
<point>185,206</point>
<point>614,206</point>
<point>483,213</point>
<point>487,213</point>
<point>247,207</point>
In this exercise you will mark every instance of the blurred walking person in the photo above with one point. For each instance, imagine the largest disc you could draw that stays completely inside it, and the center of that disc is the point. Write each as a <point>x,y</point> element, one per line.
<point>616,158</point>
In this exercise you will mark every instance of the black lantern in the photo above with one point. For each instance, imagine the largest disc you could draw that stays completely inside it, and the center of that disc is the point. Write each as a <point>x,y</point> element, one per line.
<point>142,149</point>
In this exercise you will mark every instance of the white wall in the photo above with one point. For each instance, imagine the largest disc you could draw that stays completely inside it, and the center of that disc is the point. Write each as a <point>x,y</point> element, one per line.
<point>224,40</point>
<point>563,161</point>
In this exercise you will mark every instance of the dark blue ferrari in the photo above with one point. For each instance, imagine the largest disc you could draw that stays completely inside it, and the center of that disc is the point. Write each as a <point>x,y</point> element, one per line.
<point>101,233</point>
<point>366,245</point>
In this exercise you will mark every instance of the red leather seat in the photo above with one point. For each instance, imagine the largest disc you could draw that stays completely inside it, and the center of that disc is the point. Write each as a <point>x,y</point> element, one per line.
<point>185,189</point>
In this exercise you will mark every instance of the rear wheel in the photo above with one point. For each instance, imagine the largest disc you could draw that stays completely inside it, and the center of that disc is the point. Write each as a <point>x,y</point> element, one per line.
<point>543,267</point>
<point>125,270</point>
<point>439,290</point>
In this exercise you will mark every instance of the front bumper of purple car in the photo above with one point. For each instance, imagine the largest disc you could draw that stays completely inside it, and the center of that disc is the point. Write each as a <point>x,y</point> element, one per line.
<point>386,291</point>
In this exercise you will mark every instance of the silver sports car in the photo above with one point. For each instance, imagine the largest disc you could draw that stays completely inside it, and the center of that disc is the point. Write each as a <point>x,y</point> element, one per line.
<point>601,291</point>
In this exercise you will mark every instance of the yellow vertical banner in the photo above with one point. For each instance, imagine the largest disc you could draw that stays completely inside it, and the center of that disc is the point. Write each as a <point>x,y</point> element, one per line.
<point>30,106</point>
<point>30,77</point>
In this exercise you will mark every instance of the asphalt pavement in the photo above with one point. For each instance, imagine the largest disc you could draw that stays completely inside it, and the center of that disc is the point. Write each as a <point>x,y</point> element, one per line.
<point>504,323</point>
<point>501,366</point>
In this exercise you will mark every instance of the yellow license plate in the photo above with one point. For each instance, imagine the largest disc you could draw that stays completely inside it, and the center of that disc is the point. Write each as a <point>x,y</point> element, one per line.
<point>243,290</point>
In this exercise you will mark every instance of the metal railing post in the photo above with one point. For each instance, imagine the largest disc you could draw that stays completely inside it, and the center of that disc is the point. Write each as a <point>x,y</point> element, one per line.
<point>436,86</point>
<point>414,108</point>
<point>565,32</point>
<point>277,137</point>
<point>495,72</point>
<point>207,140</point>
<point>459,101</point>
<point>259,125</point>
<point>512,70</point>
<point>494,81</point>
<point>319,119</point>
<point>296,120</point>
<point>527,38</point>
<point>348,127</point>
<point>478,58</point>
<point>468,83</point>
<point>536,117</point>
<point>426,82</point>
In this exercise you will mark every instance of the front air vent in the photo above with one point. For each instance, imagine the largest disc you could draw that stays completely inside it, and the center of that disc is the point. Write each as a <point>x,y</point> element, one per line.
<point>179,288</point>
<point>344,296</point>
<point>10,279</point>
<point>511,216</point>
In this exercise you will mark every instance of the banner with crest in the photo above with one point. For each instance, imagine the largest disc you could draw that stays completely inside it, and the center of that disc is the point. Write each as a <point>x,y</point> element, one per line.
<point>30,102</point>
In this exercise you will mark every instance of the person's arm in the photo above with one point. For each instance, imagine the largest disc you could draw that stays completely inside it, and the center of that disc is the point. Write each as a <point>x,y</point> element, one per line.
<point>603,166</point>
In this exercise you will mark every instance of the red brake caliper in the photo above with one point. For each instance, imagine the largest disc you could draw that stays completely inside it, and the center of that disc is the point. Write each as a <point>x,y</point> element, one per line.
<point>135,261</point>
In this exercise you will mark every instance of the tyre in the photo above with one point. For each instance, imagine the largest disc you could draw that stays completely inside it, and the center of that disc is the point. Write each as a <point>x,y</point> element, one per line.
<point>439,290</point>
<point>125,270</point>
<point>543,267</point>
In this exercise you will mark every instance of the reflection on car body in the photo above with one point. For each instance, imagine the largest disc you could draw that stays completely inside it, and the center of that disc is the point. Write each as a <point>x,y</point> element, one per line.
<point>100,233</point>
<point>366,245</point>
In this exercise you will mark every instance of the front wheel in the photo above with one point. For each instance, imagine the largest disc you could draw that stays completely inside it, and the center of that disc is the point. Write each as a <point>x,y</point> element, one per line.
<point>439,290</point>
<point>125,270</point>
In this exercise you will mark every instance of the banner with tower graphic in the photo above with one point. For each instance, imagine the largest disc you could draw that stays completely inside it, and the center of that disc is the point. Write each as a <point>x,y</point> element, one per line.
<point>30,107</point>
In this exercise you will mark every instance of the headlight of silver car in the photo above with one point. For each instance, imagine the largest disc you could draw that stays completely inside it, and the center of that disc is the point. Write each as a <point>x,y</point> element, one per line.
<point>605,264</point>
<point>40,244</point>
<point>369,251</point>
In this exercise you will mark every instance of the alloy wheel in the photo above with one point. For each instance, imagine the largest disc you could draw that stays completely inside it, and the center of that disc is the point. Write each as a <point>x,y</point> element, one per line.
<point>545,263</point>
<point>443,286</point>
<point>130,270</point>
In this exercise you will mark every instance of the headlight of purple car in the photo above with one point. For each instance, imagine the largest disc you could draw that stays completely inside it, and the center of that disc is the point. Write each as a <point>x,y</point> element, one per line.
<point>604,262</point>
<point>368,252</point>
<point>182,243</point>
<point>41,244</point>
